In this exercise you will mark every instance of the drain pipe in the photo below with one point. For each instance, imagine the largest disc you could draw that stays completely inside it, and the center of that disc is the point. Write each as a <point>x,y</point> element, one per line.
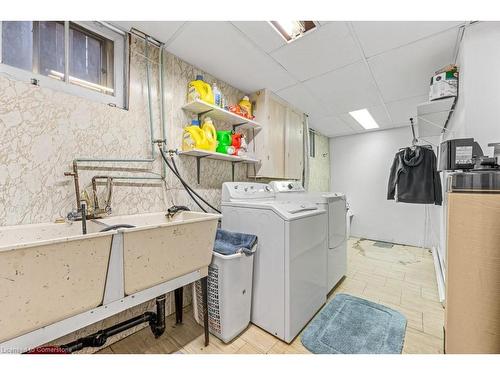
<point>156,322</point>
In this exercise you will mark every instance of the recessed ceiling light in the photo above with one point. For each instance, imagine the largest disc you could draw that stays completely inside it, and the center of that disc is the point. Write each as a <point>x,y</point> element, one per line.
<point>291,30</point>
<point>364,118</point>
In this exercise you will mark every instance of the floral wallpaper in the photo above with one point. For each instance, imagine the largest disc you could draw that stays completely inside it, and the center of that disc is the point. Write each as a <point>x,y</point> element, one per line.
<point>43,130</point>
<point>319,166</point>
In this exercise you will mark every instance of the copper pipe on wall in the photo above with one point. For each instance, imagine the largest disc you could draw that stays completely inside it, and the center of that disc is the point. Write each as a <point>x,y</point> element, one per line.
<point>97,209</point>
<point>74,174</point>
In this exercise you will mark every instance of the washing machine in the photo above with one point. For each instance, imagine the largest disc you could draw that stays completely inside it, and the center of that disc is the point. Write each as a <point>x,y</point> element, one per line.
<point>289,278</point>
<point>336,208</point>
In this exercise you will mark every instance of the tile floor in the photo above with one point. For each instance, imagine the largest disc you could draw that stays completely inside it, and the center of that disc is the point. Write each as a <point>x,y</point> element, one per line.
<point>401,277</point>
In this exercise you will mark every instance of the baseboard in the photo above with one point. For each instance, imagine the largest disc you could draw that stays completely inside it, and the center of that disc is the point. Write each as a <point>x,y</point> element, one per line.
<point>439,274</point>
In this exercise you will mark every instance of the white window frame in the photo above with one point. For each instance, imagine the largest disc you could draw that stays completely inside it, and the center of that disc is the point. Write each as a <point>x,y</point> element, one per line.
<point>120,71</point>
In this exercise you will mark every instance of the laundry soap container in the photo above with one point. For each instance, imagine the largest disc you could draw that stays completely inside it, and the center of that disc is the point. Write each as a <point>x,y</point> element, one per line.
<point>229,285</point>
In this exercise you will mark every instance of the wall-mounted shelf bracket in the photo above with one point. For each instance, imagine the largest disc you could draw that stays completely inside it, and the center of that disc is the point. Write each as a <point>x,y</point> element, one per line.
<point>201,114</point>
<point>235,126</point>
<point>232,169</point>
<point>198,167</point>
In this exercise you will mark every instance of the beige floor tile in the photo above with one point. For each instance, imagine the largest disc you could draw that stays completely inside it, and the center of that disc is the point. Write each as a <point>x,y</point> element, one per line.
<point>351,285</point>
<point>417,342</point>
<point>295,347</point>
<point>197,346</point>
<point>248,348</point>
<point>414,318</point>
<point>106,350</point>
<point>259,338</point>
<point>416,302</point>
<point>433,323</point>
<point>389,273</point>
<point>370,279</point>
<point>430,293</point>
<point>216,346</point>
<point>381,293</point>
<point>144,342</point>
<point>401,278</point>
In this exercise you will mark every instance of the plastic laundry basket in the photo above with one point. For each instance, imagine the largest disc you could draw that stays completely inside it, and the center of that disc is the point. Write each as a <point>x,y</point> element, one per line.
<point>229,294</point>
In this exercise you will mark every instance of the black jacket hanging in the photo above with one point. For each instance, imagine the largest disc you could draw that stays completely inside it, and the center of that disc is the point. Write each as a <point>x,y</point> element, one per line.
<point>414,178</point>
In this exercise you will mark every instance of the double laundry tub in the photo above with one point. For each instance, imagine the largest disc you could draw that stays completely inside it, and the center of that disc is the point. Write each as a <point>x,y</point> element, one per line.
<point>50,271</point>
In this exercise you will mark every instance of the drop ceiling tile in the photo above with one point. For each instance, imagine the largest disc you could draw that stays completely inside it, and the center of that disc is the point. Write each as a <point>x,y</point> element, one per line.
<point>378,36</point>
<point>300,97</point>
<point>379,115</point>
<point>160,30</point>
<point>346,89</point>
<point>222,50</point>
<point>328,47</point>
<point>406,71</point>
<point>402,110</point>
<point>331,126</point>
<point>261,33</point>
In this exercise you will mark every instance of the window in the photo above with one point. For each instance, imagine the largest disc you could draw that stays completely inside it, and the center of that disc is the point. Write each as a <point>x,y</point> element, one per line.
<point>83,58</point>
<point>312,143</point>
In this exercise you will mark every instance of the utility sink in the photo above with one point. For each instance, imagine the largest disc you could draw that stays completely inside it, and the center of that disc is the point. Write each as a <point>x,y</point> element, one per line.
<point>160,248</point>
<point>49,272</point>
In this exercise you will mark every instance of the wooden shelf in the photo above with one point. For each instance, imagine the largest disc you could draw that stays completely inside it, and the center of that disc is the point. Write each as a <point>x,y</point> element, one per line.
<point>216,113</point>
<point>218,156</point>
<point>201,154</point>
<point>432,117</point>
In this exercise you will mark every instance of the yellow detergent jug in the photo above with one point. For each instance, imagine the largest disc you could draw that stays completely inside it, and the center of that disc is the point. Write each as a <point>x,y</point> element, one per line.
<point>246,106</point>
<point>199,89</point>
<point>194,137</point>
<point>210,134</point>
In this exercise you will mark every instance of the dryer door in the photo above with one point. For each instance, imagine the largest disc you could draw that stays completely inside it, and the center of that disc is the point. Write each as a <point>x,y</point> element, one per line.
<point>337,232</point>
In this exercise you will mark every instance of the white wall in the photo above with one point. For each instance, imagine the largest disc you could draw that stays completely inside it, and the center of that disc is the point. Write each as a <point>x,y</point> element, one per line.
<point>478,110</point>
<point>360,168</point>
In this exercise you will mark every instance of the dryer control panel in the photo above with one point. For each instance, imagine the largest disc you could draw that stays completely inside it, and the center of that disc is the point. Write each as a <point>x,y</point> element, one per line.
<point>246,190</point>
<point>286,186</point>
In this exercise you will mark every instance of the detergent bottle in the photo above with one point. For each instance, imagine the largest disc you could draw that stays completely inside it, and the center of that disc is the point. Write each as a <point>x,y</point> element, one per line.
<point>217,95</point>
<point>194,137</point>
<point>246,107</point>
<point>208,129</point>
<point>199,89</point>
<point>224,140</point>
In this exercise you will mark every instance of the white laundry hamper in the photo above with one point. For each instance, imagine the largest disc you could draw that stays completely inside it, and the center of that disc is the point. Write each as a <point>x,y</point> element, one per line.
<point>229,294</point>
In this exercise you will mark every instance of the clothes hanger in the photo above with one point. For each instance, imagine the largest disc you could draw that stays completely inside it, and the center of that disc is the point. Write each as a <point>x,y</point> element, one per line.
<point>415,140</point>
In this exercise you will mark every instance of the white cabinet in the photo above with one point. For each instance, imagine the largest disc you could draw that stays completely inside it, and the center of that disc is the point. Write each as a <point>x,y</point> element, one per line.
<point>279,143</point>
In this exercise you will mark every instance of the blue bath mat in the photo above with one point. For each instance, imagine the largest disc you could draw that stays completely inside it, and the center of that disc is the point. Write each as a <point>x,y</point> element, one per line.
<point>351,325</point>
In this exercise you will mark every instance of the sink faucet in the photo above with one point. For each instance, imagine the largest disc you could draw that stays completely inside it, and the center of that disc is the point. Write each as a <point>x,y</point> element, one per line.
<point>107,203</point>
<point>91,211</point>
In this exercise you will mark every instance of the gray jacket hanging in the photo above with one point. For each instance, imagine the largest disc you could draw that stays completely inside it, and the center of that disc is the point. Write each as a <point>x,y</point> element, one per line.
<point>414,178</point>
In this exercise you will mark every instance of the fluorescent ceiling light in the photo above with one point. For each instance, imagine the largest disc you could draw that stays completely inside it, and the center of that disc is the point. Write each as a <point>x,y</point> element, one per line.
<point>291,30</point>
<point>364,118</point>
<point>291,27</point>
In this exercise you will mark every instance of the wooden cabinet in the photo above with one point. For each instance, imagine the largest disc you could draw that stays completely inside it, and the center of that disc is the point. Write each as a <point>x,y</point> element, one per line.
<point>472,314</point>
<point>279,144</point>
<point>294,145</point>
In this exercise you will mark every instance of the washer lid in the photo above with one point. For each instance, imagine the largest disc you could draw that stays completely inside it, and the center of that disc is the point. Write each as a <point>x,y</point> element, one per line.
<point>315,197</point>
<point>286,210</point>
